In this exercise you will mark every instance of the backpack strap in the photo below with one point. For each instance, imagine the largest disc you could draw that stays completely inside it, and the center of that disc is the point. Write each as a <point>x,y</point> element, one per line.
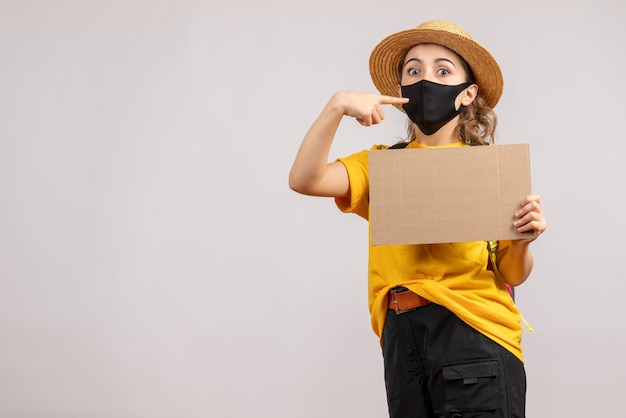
<point>493,248</point>
<point>399,145</point>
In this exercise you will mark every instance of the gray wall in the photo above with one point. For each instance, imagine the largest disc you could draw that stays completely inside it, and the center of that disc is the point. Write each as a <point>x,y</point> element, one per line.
<point>154,263</point>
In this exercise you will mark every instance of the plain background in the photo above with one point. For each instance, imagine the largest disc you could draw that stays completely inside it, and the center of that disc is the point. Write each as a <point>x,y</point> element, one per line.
<point>154,263</point>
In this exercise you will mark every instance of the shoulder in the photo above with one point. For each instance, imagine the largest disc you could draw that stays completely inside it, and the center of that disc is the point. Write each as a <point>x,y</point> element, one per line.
<point>362,155</point>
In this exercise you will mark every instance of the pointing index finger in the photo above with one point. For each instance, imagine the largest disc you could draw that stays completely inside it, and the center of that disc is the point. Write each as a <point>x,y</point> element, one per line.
<point>393,100</point>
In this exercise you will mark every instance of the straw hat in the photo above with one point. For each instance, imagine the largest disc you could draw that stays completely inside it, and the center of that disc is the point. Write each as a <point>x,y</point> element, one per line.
<point>386,56</point>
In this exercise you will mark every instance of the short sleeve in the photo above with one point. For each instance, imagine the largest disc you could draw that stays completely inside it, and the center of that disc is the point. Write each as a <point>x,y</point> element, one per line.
<point>357,168</point>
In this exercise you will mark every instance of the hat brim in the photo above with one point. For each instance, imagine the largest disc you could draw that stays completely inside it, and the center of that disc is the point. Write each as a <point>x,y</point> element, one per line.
<point>386,56</point>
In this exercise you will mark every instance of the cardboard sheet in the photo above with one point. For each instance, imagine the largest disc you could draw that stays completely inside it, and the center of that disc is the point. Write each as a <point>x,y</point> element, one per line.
<point>426,196</point>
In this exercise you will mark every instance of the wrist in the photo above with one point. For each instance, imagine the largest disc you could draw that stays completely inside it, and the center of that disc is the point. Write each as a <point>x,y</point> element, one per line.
<point>336,104</point>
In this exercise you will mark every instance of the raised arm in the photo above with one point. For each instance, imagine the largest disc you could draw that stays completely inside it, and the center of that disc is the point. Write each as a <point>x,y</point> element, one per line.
<point>311,173</point>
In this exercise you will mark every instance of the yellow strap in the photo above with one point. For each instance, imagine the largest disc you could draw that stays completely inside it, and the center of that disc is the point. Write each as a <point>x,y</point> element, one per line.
<point>531,329</point>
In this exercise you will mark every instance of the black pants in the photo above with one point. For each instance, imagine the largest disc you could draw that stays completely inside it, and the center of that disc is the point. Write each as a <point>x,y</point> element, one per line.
<point>438,366</point>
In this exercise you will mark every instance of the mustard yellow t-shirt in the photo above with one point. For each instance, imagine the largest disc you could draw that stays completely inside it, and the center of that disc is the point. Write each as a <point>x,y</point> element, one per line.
<point>453,275</point>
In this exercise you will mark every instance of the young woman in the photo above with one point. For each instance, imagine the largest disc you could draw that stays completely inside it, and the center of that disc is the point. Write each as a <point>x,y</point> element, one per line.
<point>449,330</point>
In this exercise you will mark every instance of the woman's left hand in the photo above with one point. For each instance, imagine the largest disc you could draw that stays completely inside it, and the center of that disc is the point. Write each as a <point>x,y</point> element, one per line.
<point>530,217</point>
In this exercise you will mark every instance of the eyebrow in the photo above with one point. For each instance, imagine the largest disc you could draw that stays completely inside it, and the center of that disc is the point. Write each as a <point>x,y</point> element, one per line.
<point>437,61</point>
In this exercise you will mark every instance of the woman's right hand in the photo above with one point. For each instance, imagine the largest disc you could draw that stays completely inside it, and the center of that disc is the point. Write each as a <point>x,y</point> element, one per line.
<point>366,108</point>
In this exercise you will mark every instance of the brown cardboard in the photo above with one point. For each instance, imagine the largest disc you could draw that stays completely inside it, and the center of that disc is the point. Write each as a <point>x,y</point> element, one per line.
<point>436,195</point>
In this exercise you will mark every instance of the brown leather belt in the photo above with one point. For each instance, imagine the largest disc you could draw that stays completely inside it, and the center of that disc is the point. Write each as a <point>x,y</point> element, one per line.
<point>403,300</point>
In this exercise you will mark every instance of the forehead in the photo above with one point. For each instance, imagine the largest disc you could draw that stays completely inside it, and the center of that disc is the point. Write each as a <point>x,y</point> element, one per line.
<point>432,52</point>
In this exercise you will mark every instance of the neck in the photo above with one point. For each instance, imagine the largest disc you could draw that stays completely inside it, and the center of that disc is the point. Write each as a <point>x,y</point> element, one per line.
<point>444,136</point>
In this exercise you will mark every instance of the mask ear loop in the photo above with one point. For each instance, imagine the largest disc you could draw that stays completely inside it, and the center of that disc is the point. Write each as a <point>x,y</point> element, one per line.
<point>462,108</point>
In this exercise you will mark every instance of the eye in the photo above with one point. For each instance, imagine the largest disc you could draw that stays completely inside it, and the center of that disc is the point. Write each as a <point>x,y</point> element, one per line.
<point>413,71</point>
<point>443,71</point>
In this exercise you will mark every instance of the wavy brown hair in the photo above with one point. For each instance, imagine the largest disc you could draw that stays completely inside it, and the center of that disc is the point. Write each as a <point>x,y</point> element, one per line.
<point>477,123</point>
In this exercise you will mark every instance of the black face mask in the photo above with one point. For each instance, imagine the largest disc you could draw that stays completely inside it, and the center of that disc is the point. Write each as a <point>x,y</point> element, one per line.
<point>431,105</point>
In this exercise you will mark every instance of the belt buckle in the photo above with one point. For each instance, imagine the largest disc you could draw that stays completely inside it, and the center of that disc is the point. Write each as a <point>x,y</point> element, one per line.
<point>392,293</point>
